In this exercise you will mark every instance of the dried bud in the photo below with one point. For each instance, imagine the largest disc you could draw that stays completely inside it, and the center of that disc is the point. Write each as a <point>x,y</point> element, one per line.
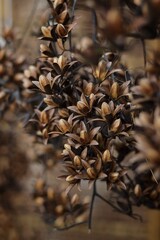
<point>63,125</point>
<point>39,201</point>
<point>83,136</point>
<point>46,31</point>
<point>116,125</point>
<point>71,179</point>
<point>82,107</point>
<point>75,199</point>
<point>106,157</point>
<point>89,89</point>
<point>61,31</point>
<point>77,161</point>
<point>105,109</point>
<point>45,133</point>
<point>114,90</point>
<point>91,173</point>
<point>59,209</point>
<point>63,112</point>
<point>39,185</point>
<point>44,117</point>
<point>113,176</point>
<point>2,54</point>
<point>138,190</point>
<point>154,194</point>
<point>50,193</point>
<point>1,69</point>
<point>43,81</point>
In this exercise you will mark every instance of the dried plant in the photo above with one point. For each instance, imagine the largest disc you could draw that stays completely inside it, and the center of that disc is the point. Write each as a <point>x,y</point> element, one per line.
<point>88,110</point>
<point>92,107</point>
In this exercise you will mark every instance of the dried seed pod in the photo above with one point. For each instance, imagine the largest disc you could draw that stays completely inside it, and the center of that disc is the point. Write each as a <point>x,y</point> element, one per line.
<point>91,173</point>
<point>114,176</point>
<point>61,31</point>
<point>138,190</point>
<point>43,81</point>
<point>71,179</point>
<point>115,125</point>
<point>106,157</point>
<point>59,209</point>
<point>39,185</point>
<point>50,193</point>
<point>105,108</point>
<point>153,194</point>
<point>63,125</point>
<point>77,161</point>
<point>114,90</point>
<point>39,201</point>
<point>84,136</point>
<point>82,107</point>
<point>75,199</point>
<point>46,31</point>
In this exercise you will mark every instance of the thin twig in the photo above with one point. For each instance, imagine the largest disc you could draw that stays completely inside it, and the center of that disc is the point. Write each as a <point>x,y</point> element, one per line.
<point>28,24</point>
<point>106,201</point>
<point>152,172</point>
<point>144,51</point>
<point>70,226</point>
<point>33,115</point>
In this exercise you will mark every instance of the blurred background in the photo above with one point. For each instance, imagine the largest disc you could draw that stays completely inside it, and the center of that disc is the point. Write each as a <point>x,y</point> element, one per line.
<point>26,17</point>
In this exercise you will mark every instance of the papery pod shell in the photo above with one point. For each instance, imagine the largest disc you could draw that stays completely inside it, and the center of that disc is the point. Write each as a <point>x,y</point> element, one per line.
<point>57,2</point>
<point>39,201</point>
<point>77,161</point>
<point>59,222</point>
<point>50,102</point>
<point>43,48</point>
<point>101,70</point>
<point>116,125</point>
<point>45,133</point>
<point>82,107</point>
<point>71,179</point>
<point>106,157</point>
<point>2,53</point>
<point>43,81</point>
<point>153,194</point>
<point>91,173</point>
<point>114,90</point>
<point>1,69</point>
<point>63,112</point>
<point>63,125</point>
<point>46,31</point>
<point>59,209</point>
<point>62,17</point>
<point>138,190</point>
<point>89,89</point>
<point>105,109</point>
<point>39,185</point>
<point>61,31</point>
<point>113,176</point>
<point>44,117</point>
<point>75,199</point>
<point>62,61</point>
<point>84,136</point>
<point>50,193</point>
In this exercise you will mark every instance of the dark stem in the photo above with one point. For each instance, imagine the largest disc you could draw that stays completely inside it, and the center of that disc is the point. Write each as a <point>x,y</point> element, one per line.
<point>91,206</point>
<point>94,25</point>
<point>72,17</point>
<point>144,51</point>
<point>106,201</point>
<point>33,115</point>
<point>70,226</point>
